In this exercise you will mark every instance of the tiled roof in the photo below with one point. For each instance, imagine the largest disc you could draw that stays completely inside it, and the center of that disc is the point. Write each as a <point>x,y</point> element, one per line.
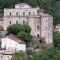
<point>13,37</point>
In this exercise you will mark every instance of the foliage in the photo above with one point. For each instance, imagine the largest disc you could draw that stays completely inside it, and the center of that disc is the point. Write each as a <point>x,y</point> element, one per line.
<point>19,56</point>
<point>35,56</point>
<point>56,39</point>
<point>22,32</point>
<point>25,36</point>
<point>15,28</point>
<point>56,12</point>
<point>27,28</point>
<point>11,3</point>
<point>50,54</point>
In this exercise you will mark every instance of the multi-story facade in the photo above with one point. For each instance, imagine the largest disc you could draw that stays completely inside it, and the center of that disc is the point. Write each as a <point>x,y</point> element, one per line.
<point>41,24</point>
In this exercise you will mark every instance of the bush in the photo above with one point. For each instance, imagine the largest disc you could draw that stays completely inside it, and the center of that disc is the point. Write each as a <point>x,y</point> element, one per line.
<point>15,28</point>
<point>25,36</point>
<point>27,28</point>
<point>56,39</point>
<point>19,56</point>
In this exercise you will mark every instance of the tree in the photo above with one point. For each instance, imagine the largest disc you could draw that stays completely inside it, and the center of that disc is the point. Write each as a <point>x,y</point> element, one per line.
<point>56,39</point>
<point>50,54</point>
<point>27,28</point>
<point>15,28</point>
<point>19,56</point>
<point>25,37</point>
<point>56,11</point>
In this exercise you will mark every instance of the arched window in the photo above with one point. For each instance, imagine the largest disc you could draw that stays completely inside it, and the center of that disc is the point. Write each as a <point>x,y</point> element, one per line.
<point>23,13</point>
<point>17,13</point>
<point>10,13</point>
<point>10,22</point>
<point>37,27</point>
<point>37,35</point>
<point>29,13</point>
<point>23,22</point>
<point>16,22</point>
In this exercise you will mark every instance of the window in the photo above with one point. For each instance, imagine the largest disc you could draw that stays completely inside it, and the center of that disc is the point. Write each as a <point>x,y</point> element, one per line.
<point>10,13</point>
<point>23,22</point>
<point>20,6</point>
<point>0,42</point>
<point>23,13</point>
<point>37,12</point>
<point>40,41</point>
<point>10,22</point>
<point>29,13</point>
<point>1,57</point>
<point>37,27</point>
<point>16,22</point>
<point>37,35</point>
<point>17,13</point>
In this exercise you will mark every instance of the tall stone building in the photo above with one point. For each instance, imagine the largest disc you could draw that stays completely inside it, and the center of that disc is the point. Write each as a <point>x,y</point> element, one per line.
<point>41,24</point>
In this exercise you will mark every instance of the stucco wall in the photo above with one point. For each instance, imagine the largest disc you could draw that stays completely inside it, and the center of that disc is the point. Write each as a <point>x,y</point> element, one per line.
<point>12,45</point>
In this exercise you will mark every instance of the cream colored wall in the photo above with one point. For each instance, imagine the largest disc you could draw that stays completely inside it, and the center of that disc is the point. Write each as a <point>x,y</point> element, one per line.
<point>45,21</point>
<point>47,29</point>
<point>1,23</point>
<point>20,12</point>
<point>22,6</point>
<point>11,45</point>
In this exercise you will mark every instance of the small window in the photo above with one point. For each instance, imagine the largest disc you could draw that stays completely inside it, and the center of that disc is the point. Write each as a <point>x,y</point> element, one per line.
<point>37,35</point>
<point>16,22</point>
<point>20,6</point>
<point>40,41</point>
<point>29,13</point>
<point>1,57</point>
<point>23,22</point>
<point>37,12</point>
<point>10,13</point>
<point>10,22</point>
<point>23,13</point>
<point>17,13</point>
<point>37,27</point>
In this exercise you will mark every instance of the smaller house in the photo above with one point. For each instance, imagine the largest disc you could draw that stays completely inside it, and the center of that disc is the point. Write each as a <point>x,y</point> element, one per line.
<point>12,43</point>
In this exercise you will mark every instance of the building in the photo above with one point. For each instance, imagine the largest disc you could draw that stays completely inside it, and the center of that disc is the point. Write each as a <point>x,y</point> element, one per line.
<point>41,24</point>
<point>12,44</point>
<point>1,19</point>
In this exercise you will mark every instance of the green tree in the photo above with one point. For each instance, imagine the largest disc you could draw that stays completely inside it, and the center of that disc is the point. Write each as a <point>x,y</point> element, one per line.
<point>56,12</point>
<point>19,56</point>
<point>15,28</point>
<point>27,28</point>
<point>50,54</point>
<point>25,37</point>
<point>56,39</point>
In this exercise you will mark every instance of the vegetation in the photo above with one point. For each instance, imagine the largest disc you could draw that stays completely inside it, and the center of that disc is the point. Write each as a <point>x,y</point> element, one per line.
<point>50,54</point>
<point>21,31</point>
<point>19,56</point>
<point>27,28</point>
<point>51,7</point>
<point>25,36</point>
<point>56,37</point>
<point>15,28</point>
